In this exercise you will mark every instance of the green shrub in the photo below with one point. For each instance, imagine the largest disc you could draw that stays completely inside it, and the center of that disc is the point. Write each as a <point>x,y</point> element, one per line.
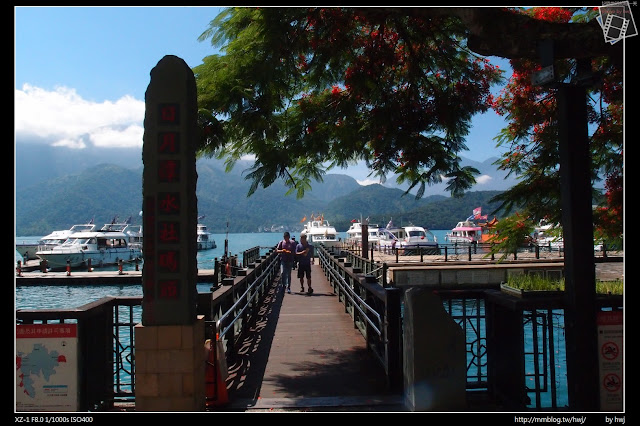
<point>537,283</point>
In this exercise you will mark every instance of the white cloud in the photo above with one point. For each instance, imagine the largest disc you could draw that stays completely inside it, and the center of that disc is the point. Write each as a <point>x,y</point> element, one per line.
<point>110,138</point>
<point>63,118</point>
<point>366,182</point>
<point>481,180</point>
<point>70,143</point>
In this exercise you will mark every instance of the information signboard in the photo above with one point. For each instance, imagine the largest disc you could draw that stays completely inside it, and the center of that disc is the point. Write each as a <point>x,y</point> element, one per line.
<point>610,334</point>
<point>46,367</point>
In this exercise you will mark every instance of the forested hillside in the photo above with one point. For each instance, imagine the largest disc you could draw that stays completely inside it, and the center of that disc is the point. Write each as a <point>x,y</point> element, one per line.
<point>382,204</point>
<point>105,191</point>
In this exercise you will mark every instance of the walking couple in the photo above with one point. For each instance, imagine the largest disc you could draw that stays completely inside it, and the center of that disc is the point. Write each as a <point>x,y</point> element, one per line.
<point>290,252</point>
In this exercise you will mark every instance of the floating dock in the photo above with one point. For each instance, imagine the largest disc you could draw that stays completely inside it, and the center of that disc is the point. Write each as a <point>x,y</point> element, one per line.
<point>95,277</point>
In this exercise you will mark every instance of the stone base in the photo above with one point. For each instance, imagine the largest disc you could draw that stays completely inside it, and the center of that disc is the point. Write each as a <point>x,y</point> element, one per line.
<point>170,367</point>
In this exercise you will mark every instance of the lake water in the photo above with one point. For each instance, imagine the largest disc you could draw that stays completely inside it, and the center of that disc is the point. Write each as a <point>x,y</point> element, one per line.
<point>54,297</point>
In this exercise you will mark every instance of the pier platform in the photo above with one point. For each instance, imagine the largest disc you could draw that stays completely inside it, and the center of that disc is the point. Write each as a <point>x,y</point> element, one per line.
<point>96,277</point>
<point>607,269</point>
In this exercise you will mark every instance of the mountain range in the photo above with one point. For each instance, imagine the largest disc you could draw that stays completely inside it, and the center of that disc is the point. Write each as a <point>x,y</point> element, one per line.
<point>58,187</point>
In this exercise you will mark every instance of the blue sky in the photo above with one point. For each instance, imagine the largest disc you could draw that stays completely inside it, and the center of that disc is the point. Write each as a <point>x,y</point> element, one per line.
<point>81,74</point>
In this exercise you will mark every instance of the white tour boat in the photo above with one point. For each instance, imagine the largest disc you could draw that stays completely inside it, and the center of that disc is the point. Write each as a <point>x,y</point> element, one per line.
<point>107,246</point>
<point>465,232</point>
<point>408,239</point>
<point>354,234</point>
<point>134,236</point>
<point>205,238</point>
<point>548,236</point>
<point>319,231</point>
<point>28,250</point>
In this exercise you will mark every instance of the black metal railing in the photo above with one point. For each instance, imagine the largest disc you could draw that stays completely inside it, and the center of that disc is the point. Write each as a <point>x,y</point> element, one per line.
<point>467,309</point>
<point>458,251</point>
<point>375,310</point>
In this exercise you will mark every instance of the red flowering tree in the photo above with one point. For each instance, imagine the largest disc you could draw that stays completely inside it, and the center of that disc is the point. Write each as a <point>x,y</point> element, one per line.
<point>304,90</point>
<point>532,134</point>
<point>307,89</point>
<point>510,234</point>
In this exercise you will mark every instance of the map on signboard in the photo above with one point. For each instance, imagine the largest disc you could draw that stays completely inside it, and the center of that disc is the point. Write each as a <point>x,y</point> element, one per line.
<point>46,367</point>
<point>38,364</point>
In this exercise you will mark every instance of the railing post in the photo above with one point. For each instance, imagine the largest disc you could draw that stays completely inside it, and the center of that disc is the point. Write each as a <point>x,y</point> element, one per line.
<point>393,339</point>
<point>384,275</point>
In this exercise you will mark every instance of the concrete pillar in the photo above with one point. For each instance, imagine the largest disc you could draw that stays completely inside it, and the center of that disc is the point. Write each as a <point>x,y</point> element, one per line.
<point>435,366</point>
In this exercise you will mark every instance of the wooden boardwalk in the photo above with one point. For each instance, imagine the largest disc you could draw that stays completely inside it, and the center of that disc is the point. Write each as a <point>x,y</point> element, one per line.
<point>304,354</point>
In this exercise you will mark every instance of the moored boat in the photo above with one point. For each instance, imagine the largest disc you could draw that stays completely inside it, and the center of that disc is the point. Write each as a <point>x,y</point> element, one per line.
<point>28,250</point>
<point>465,232</point>
<point>354,234</point>
<point>408,239</point>
<point>134,236</point>
<point>320,231</point>
<point>548,236</point>
<point>106,246</point>
<point>204,238</point>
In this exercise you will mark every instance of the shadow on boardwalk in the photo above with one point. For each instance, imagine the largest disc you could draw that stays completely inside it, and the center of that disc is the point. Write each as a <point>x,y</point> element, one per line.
<point>304,354</point>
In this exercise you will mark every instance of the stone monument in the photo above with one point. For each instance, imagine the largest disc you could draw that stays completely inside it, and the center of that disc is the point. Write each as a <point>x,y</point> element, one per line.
<point>169,350</point>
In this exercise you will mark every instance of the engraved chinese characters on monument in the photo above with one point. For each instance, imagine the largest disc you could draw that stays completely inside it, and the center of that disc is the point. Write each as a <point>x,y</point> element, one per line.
<point>169,194</point>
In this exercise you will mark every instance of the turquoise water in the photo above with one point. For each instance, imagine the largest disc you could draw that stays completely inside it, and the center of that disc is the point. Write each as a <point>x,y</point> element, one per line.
<point>58,297</point>
<point>237,243</point>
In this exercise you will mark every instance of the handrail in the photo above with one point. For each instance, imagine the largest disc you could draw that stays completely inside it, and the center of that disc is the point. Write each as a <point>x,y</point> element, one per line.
<point>261,279</point>
<point>381,327</point>
<point>351,294</point>
<point>471,250</point>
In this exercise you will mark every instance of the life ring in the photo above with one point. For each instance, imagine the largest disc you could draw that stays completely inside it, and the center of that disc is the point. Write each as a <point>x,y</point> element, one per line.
<point>227,269</point>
